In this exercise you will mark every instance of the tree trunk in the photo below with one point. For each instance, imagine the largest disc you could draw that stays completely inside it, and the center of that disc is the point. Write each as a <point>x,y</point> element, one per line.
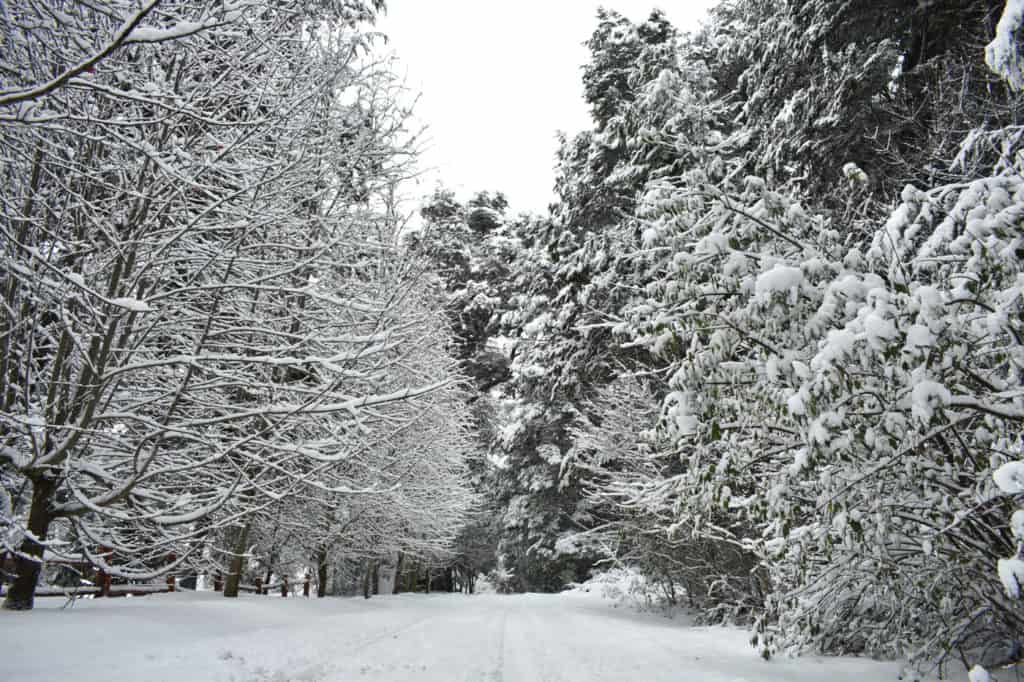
<point>366,579</point>
<point>410,585</point>
<point>398,574</point>
<point>376,577</point>
<point>237,562</point>
<point>102,578</point>
<point>321,572</point>
<point>266,579</point>
<point>428,579</point>
<point>22,593</point>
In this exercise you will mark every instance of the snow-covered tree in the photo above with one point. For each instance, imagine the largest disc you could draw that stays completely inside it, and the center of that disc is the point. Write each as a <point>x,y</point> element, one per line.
<point>891,86</point>
<point>798,387</point>
<point>198,322</point>
<point>652,117</point>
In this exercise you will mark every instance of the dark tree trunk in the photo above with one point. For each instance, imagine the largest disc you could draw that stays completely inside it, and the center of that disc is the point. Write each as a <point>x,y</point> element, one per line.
<point>376,577</point>
<point>237,563</point>
<point>449,579</point>
<point>366,579</point>
<point>22,593</point>
<point>267,577</point>
<point>410,586</point>
<point>398,574</point>
<point>321,572</point>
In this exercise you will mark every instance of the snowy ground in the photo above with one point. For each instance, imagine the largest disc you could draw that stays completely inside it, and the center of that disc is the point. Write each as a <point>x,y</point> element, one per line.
<point>527,638</point>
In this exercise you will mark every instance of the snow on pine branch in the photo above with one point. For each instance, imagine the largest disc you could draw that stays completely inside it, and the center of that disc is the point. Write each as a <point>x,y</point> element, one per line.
<point>839,358</point>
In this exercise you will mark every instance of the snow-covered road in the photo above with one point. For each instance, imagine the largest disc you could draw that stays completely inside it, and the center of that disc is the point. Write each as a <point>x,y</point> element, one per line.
<point>490,638</point>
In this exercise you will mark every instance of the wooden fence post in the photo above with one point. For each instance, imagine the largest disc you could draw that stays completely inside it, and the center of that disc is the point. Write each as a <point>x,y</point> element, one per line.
<point>259,585</point>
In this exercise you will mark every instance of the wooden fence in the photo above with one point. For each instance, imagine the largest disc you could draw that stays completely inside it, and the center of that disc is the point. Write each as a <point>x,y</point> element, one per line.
<point>75,571</point>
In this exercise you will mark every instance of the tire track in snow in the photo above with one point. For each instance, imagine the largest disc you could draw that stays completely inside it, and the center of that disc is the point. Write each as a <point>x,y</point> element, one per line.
<point>351,647</point>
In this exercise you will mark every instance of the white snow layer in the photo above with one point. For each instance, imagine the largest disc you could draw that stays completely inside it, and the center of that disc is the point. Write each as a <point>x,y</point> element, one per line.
<point>1002,55</point>
<point>1010,478</point>
<point>1011,574</point>
<point>152,34</point>
<point>979,674</point>
<point>1017,524</point>
<point>926,397</point>
<point>439,637</point>
<point>132,304</point>
<point>780,278</point>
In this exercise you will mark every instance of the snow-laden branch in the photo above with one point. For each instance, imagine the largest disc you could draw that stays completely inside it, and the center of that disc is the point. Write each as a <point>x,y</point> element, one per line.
<point>120,37</point>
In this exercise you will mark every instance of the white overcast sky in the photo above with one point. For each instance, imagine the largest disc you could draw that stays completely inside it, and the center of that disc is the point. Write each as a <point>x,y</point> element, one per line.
<point>497,79</point>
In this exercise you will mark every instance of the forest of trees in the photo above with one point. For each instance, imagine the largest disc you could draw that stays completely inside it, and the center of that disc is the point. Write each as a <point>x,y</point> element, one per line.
<point>765,349</point>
